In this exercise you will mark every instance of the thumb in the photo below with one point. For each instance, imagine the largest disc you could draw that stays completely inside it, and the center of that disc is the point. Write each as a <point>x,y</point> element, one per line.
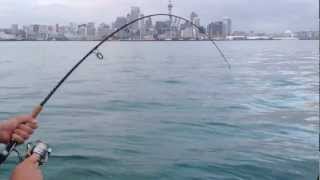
<point>34,159</point>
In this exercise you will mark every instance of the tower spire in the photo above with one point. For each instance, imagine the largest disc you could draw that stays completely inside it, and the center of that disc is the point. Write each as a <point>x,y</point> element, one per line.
<point>170,6</point>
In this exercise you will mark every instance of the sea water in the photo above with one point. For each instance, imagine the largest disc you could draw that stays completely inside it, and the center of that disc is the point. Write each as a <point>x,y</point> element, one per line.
<point>169,110</point>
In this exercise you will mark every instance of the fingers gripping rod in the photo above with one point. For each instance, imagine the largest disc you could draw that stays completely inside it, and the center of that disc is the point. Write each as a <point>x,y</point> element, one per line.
<point>12,145</point>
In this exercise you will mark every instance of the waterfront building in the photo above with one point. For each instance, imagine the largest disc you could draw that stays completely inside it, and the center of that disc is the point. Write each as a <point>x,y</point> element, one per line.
<point>120,21</point>
<point>187,33</point>
<point>227,25</point>
<point>162,29</point>
<point>134,14</point>
<point>73,28</point>
<point>6,36</point>
<point>103,31</point>
<point>171,28</point>
<point>82,31</point>
<point>14,29</point>
<point>91,31</point>
<point>215,30</point>
<point>194,18</point>
<point>142,28</point>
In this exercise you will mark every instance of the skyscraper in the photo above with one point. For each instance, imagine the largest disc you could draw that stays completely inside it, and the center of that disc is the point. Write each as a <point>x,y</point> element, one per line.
<point>194,18</point>
<point>142,28</point>
<point>120,21</point>
<point>82,31</point>
<point>134,14</point>
<point>14,29</point>
<point>215,30</point>
<point>170,6</point>
<point>91,31</point>
<point>148,24</point>
<point>103,30</point>
<point>227,23</point>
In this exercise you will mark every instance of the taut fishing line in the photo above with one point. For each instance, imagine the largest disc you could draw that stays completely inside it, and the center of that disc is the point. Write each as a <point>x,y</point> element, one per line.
<point>12,145</point>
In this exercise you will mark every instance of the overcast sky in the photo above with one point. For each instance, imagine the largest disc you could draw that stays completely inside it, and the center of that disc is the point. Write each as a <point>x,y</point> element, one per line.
<point>258,15</point>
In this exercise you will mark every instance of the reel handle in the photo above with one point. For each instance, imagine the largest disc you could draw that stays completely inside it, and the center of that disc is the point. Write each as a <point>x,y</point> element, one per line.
<point>12,145</point>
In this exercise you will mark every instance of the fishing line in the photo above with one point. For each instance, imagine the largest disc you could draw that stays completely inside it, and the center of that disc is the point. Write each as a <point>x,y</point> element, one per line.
<point>37,110</point>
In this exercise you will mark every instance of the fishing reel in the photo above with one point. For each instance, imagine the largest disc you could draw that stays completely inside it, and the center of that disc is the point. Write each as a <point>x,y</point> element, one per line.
<point>40,148</point>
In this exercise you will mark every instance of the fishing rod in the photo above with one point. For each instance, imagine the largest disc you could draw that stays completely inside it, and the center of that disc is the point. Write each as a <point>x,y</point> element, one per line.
<point>37,110</point>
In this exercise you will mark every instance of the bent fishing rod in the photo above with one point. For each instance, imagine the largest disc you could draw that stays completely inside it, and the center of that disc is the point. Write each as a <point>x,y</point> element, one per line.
<point>37,110</point>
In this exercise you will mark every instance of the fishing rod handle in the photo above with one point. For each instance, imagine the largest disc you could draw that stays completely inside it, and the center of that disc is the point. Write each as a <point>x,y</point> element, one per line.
<point>12,145</point>
<point>36,111</point>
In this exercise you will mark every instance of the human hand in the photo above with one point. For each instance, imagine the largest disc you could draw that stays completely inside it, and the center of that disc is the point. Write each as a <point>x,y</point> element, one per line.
<point>18,129</point>
<point>28,169</point>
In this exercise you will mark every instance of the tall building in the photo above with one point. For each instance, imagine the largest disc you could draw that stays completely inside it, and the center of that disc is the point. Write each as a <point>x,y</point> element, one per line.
<point>170,6</point>
<point>35,28</point>
<point>134,14</point>
<point>161,28</point>
<point>194,18</point>
<point>120,21</point>
<point>142,28</point>
<point>103,30</point>
<point>91,31</point>
<point>171,25</point>
<point>82,31</point>
<point>215,30</point>
<point>72,28</point>
<point>149,30</point>
<point>134,28</point>
<point>57,28</point>
<point>227,26</point>
<point>187,33</point>
<point>148,24</point>
<point>14,29</point>
<point>43,32</point>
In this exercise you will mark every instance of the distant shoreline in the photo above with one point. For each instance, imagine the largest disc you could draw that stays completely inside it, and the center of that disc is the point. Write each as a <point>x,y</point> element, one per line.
<point>150,40</point>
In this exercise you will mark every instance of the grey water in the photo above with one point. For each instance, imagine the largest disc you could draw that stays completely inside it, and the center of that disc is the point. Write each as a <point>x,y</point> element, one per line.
<point>169,110</point>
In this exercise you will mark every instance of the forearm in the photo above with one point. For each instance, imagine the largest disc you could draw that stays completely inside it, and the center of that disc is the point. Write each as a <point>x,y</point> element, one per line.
<point>28,170</point>
<point>3,134</point>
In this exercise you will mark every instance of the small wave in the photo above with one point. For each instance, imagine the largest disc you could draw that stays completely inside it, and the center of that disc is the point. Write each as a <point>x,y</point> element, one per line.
<point>126,151</point>
<point>309,57</point>
<point>82,159</point>
<point>133,105</point>
<point>312,119</point>
<point>191,124</point>
<point>221,124</point>
<point>173,82</point>
<point>5,61</point>
<point>285,83</point>
<point>12,87</point>
<point>68,173</point>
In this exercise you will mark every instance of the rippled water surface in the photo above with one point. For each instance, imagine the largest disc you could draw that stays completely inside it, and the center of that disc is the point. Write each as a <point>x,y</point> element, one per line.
<point>169,110</point>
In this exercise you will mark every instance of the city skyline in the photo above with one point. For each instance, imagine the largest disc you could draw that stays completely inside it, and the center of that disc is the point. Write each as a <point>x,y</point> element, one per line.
<point>169,28</point>
<point>267,16</point>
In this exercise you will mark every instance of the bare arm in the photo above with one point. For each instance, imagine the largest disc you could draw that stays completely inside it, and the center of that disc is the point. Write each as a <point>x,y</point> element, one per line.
<point>19,129</point>
<point>28,170</point>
